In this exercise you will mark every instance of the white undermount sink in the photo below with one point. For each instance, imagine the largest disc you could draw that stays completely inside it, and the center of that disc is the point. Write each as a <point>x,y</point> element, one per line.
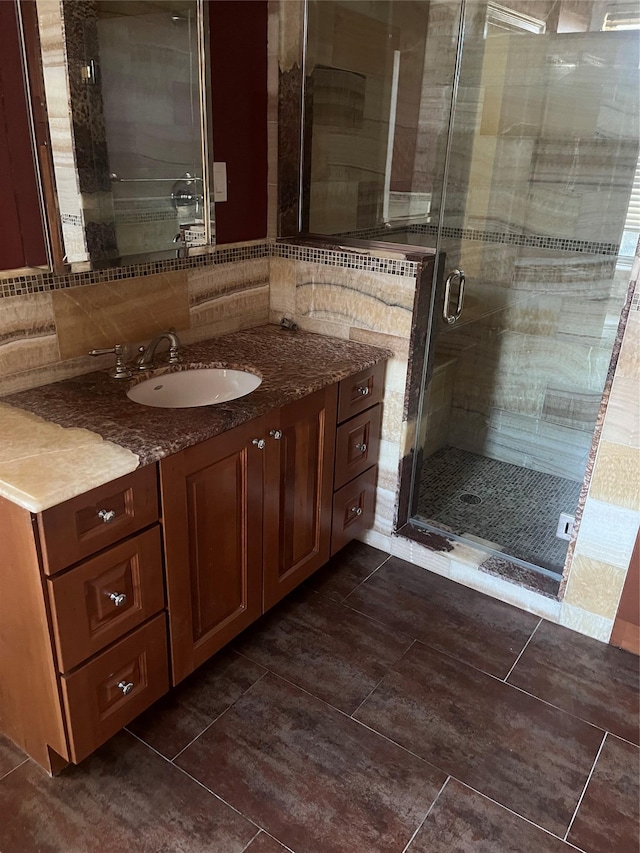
<point>201,386</point>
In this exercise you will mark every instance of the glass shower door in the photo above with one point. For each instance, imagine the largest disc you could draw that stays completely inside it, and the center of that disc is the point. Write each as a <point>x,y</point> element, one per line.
<point>539,162</point>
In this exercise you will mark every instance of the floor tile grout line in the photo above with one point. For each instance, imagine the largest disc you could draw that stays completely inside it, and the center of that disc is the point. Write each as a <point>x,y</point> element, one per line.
<point>623,739</point>
<point>524,648</point>
<point>221,714</point>
<point>246,847</point>
<point>374,620</point>
<point>431,764</point>
<point>422,822</point>
<point>511,811</point>
<point>214,794</point>
<point>364,580</point>
<point>428,646</point>
<point>226,803</point>
<point>199,783</point>
<point>586,785</point>
<point>379,734</point>
<point>450,657</point>
<point>555,707</point>
<point>17,767</point>
<point>354,720</point>
<point>373,689</point>
<point>390,669</point>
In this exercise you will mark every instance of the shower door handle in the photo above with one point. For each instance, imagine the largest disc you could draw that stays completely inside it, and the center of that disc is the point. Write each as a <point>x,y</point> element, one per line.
<point>451,318</point>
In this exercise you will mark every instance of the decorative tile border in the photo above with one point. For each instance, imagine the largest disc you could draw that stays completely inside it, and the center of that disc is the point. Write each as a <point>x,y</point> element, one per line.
<point>347,260</point>
<point>538,241</point>
<point>44,282</point>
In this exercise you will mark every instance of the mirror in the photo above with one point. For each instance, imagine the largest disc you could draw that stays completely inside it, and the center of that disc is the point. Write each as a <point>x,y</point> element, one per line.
<point>127,145</point>
<point>134,82</point>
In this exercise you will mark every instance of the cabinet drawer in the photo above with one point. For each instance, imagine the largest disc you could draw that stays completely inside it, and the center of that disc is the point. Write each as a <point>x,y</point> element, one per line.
<point>102,599</point>
<point>357,444</point>
<point>353,508</point>
<point>360,391</point>
<point>95,700</point>
<point>81,526</point>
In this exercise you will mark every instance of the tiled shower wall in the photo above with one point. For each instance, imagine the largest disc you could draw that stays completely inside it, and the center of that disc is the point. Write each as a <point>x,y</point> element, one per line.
<point>374,305</point>
<point>531,352</point>
<point>544,149</point>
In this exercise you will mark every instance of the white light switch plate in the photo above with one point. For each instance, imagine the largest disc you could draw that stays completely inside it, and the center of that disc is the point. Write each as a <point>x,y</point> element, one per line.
<point>219,181</point>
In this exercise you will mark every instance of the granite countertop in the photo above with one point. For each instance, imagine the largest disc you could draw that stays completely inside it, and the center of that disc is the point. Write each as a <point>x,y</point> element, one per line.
<point>63,439</point>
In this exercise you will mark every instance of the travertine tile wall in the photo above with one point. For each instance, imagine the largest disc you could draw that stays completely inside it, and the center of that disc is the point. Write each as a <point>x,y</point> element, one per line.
<point>47,336</point>
<point>544,142</point>
<point>362,305</point>
<point>611,515</point>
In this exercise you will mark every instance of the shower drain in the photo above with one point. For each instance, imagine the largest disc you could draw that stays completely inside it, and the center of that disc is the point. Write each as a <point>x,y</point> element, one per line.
<point>468,498</point>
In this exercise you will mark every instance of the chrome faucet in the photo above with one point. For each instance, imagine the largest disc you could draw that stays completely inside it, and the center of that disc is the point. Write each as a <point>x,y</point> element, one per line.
<point>144,361</point>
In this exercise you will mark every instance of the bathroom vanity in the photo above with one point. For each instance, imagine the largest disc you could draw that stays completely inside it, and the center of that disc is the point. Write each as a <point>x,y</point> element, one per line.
<point>109,598</point>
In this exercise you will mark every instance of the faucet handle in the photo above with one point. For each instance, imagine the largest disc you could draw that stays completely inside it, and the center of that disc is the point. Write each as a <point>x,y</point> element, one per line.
<point>121,370</point>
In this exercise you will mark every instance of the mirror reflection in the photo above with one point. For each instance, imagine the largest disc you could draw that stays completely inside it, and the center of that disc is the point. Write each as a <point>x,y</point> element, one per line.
<point>148,74</point>
<point>110,100</point>
<point>127,107</point>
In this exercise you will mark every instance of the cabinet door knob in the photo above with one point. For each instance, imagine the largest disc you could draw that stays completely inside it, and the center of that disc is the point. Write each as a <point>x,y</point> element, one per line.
<point>259,443</point>
<point>276,433</point>
<point>118,598</point>
<point>107,515</point>
<point>363,390</point>
<point>362,447</point>
<point>356,510</point>
<point>126,687</point>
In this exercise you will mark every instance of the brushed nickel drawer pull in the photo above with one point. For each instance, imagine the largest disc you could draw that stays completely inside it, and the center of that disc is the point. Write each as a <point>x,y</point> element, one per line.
<point>259,443</point>
<point>356,510</point>
<point>364,391</point>
<point>276,433</point>
<point>107,515</point>
<point>126,687</point>
<point>361,447</point>
<point>118,598</point>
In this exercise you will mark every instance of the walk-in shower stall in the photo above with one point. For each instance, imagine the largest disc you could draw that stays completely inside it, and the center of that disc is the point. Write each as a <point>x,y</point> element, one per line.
<point>504,136</point>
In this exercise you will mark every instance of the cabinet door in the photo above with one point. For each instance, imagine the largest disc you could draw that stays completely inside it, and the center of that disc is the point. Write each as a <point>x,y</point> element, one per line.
<point>298,485</point>
<point>212,508</point>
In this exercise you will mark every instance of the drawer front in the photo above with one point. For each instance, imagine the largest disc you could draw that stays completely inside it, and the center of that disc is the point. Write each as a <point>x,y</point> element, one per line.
<point>360,391</point>
<point>357,445</point>
<point>105,597</point>
<point>84,525</point>
<point>108,692</point>
<point>353,509</point>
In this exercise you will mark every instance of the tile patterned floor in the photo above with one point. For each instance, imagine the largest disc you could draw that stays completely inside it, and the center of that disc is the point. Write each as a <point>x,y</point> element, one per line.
<point>514,507</point>
<point>379,709</point>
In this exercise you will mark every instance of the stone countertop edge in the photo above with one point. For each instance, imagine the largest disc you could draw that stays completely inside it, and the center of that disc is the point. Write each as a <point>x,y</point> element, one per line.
<point>291,365</point>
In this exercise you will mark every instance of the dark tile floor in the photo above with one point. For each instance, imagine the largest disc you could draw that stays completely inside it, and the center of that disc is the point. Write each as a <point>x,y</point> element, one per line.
<point>379,709</point>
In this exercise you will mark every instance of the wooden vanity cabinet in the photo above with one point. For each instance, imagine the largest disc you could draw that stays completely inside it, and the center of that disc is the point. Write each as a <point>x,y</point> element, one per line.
<point>357,449</point>
<point>299,461</point>
<point>83,647</point>
<point>212,520</point>
<point>247,517</point>
<point>242,519</point>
